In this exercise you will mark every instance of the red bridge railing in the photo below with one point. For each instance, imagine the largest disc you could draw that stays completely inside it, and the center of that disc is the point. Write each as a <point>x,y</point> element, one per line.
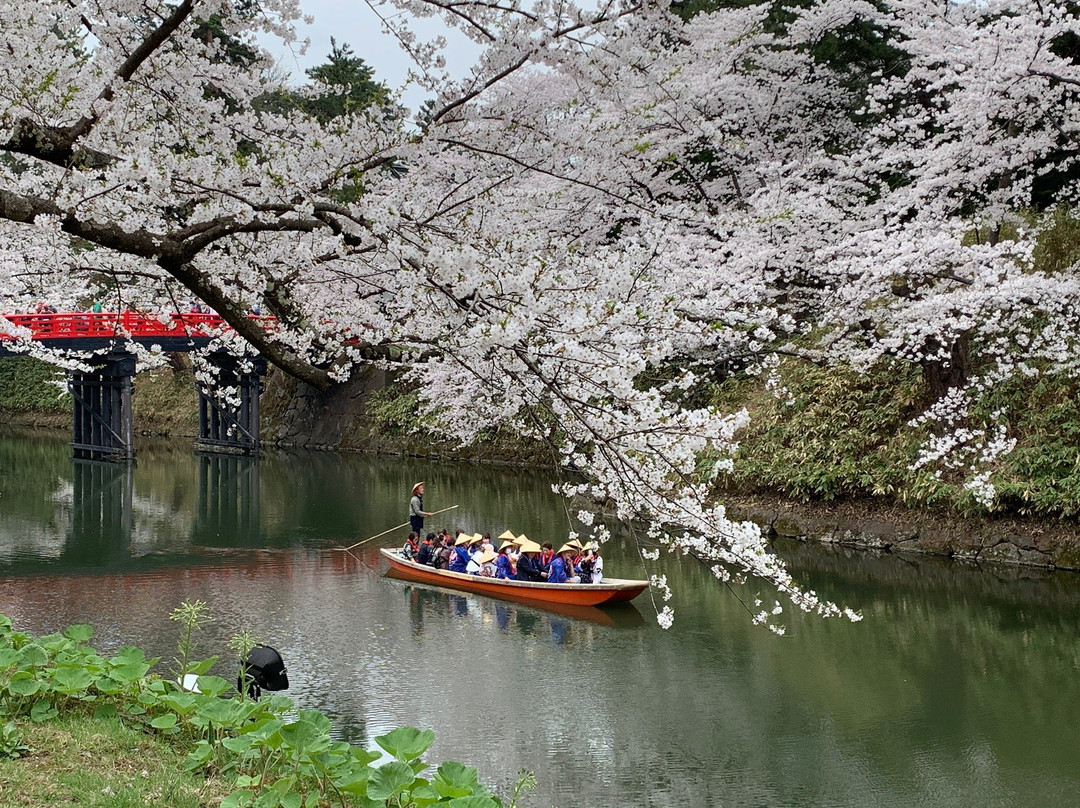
<point>97,325</point>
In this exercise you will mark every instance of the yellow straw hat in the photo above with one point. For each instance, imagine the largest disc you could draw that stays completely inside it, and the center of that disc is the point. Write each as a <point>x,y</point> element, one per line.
<point>508,544</point>
<point>506,534</point>
<point>522,539</point>
<point>464,538</point>
<point>417,486</point>
<point>488,556</point>
<point>573,543</point>
<point>476,537</point>
<point>568,548</point>
<point>529,546</point>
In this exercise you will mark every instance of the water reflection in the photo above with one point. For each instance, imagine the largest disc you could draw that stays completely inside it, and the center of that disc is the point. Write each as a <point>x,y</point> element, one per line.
<point>427,603</point>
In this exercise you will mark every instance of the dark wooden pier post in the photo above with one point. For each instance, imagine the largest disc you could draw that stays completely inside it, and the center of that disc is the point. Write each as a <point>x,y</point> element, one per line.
<point>229,412</point>
<point>101,404</point>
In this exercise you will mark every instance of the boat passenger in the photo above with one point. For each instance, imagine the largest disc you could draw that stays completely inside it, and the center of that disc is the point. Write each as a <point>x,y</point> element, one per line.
<point>546,554</point>
<point>504,568</point>
<point>486,543</point>
<point>528,565</point>
<point>441,555</point>
<point>427,547</point>
<point>593,549</point>
<point>488,568</point>
<point>410,548</point>
<point>561,570</point>
<point>460,557</point>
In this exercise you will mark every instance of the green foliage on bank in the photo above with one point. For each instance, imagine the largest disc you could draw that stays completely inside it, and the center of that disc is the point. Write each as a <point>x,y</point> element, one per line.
<point>827,434</point>
<point>263,754</point>
<point>28,385</point>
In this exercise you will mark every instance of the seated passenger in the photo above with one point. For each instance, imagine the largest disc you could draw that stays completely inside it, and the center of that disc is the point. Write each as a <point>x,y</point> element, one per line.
<point>561,570</point>
<point>440,557</point>
<point>592,550</point>
<point>423,556</point>
<point>488,568</point>
<point>459,559</point>
<point>546,554</point>
<point>410,548</point>
<point>504,567</point>
<point>528,565</point>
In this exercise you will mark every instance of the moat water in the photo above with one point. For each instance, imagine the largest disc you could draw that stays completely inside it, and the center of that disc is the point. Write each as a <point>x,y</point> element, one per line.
<point>959,688</point>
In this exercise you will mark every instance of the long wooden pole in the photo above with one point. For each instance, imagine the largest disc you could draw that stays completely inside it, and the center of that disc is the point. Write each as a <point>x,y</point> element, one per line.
<point>391,530</point>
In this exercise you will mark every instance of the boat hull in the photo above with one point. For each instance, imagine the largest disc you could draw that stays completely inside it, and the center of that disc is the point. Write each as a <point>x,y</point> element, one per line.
<point>612,590</point>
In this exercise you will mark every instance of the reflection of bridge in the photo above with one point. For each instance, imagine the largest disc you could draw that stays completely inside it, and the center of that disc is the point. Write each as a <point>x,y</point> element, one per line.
<point>102,426</point>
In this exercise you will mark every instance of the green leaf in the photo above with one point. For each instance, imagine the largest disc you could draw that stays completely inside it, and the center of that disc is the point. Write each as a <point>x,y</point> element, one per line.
<point>213,685</point>
<point>472,802</point>
<point>406,743</point>
<point>23,683</point>
<point>291,800</point>
<point>180,703</point>
<point>42,711</point>
<point>238,799</point>
<point>9,657</point>
<point>72,680</point>
<point>167,721</point>
<point>458,775</point>
<point>34,656</point>
<point>79,633</point>
<point>105,710</point>
<point>305,736</point>
<point>390,780</point>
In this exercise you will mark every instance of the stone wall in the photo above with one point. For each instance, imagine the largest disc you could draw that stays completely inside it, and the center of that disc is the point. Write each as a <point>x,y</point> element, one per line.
<point>872,526</point>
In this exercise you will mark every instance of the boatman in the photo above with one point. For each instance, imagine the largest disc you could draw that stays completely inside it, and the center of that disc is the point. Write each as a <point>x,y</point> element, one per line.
<point>416,509</point>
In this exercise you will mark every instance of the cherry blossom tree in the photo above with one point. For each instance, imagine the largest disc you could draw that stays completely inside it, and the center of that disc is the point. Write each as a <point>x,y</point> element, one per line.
<point>612,206</point>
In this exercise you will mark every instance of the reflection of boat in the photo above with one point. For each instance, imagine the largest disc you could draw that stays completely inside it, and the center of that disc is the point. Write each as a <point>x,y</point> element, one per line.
<point>612,590</point>
<point>619,615</point>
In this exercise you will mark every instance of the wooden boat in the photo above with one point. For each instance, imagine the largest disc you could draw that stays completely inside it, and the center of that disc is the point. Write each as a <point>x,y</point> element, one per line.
<point>612,590</point>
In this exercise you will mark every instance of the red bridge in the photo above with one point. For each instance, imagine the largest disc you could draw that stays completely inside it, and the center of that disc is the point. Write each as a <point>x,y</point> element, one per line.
<point>84,330</point>
<point>101,419</point>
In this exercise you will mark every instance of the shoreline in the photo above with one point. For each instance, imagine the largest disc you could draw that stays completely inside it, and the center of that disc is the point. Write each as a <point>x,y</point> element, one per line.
<point>864,524</point>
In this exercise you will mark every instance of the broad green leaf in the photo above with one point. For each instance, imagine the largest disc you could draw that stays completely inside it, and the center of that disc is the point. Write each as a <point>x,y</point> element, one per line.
<point>71,680</point>
<point>34,656</point>
<point>390,780</point>
<point>42,711</point>
<point>213,685</point>
<point>291,800</point>
<point>54,642</point>
<point>314,717</point>
<point>180,703</point>
<point>217,711</point>
<point>472,802</point>
<point>241,798</point>
<point>458,774</point>
<point>23,683</point>
<point>9,657</point>
<point>304,736</point>
<point>166,721</point>
<point>198,757</point>
<point>79,633</point>
<point>105,710</point>
<point>406,743</point>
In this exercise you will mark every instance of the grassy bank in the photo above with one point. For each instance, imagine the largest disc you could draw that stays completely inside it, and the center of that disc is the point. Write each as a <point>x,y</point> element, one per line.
<point>828,435</point>
<point>34,393</point>
<point>100,763</point>
<point>81,728</point>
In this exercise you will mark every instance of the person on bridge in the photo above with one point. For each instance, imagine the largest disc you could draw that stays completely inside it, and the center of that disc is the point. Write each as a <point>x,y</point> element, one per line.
<point>416,509</point>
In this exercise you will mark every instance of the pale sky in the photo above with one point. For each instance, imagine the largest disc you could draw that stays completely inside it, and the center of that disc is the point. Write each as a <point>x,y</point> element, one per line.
<point>352,22</point>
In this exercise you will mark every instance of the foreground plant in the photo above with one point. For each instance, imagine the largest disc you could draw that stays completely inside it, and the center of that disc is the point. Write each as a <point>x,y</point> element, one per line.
<point>274,754</point>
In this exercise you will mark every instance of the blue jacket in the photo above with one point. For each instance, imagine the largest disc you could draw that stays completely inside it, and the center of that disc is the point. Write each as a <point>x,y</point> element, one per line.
<point>459,558</point>
<point>503,568</point>
<point>557,571</point>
